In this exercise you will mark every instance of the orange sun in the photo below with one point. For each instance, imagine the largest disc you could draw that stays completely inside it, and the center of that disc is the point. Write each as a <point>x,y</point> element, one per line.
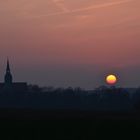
<point>111,79</point>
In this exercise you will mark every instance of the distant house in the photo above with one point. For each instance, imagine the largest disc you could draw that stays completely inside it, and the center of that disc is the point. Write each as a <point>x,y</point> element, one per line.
<point>9,85</point>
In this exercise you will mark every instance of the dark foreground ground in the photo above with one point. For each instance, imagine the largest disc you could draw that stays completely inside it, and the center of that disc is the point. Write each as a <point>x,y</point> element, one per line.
<point>68,125</point>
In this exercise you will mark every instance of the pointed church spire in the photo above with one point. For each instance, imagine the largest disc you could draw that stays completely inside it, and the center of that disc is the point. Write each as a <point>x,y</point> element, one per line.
<point>8,76</point>
<point>8,66</point>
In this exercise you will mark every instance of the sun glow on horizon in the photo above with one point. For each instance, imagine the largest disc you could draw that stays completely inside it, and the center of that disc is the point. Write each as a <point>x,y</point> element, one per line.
<point>111,79</point>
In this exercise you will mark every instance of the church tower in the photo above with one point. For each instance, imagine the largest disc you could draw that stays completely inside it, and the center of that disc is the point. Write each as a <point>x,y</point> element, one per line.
<point>8,76</point>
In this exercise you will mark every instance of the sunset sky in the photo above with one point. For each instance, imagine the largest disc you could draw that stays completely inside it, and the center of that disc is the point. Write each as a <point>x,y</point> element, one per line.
<point>71,42</point>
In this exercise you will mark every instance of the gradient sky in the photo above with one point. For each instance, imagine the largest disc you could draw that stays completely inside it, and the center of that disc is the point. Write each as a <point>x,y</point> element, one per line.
<point>71,42</point>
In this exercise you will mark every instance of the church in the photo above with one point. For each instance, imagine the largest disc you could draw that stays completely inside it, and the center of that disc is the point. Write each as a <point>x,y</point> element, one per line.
<point>9,85</point>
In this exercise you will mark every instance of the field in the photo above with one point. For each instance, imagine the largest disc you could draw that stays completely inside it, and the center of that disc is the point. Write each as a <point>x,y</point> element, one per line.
<point>67,124</point>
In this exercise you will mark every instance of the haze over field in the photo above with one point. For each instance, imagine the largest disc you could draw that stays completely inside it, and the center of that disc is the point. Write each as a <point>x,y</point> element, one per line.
<point>71,42</point>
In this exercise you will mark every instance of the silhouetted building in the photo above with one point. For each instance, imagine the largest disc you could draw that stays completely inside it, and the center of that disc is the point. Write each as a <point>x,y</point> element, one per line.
<point>9,85</point>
